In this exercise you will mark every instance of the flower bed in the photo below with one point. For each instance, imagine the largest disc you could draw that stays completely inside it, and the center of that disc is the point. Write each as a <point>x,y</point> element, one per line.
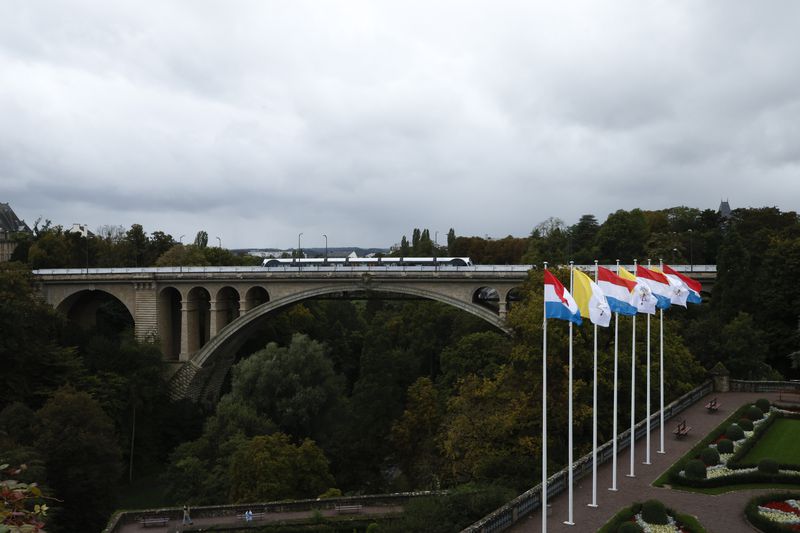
<point>677,523</point>
<point>775,512</point>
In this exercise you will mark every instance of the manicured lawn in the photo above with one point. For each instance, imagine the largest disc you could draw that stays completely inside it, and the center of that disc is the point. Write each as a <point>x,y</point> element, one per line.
<point>780,443</point>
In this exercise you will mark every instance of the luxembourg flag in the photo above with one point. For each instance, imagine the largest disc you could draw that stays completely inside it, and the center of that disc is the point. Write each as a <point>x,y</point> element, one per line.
<point>693,286</point>
<point>642,297</point>
<point>617,291</point>
<point>591,300</point>
<point>558,302</point>
<point>658,283</point>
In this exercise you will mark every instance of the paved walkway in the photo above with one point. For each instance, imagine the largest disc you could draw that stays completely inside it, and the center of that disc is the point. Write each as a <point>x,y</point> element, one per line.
<point>203,524</point>
<point>722,513</point>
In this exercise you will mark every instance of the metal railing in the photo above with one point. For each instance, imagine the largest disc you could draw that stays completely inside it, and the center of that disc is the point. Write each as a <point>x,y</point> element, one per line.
<point>530,500</point>
<point>742,385</point>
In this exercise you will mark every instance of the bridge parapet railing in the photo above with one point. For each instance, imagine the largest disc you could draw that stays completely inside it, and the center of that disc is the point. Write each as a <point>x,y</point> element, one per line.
<point>292,269</point>
<point>742,385</point>
<point>531,500</point>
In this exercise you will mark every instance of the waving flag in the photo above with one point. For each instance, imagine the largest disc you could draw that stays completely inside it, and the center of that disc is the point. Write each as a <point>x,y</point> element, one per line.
<point>642,298</point>
<point>618,291</point>
<point>679,291</point>
<point>658,284</point>
<point>692,285</point>
<point>591,300</point>
<point>558,302</point>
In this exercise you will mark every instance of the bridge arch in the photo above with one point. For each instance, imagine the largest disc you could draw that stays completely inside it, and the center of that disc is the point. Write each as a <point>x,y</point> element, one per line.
<point>87,306</point>
<point>225,341</point>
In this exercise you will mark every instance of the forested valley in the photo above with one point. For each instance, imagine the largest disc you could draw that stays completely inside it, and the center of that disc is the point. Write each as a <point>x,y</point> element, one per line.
<point>377,395</point>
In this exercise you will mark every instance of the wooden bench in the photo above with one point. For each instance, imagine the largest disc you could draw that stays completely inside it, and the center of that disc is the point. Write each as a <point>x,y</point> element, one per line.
<point>713,405</point>
<point>155,521</point>
<point>789,395</point>
<point>682,430</point>
<point>348,509</point>
<point>253,517</point>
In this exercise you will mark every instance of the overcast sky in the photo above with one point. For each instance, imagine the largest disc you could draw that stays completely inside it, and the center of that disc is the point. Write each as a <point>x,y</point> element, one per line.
<point>258,120</point>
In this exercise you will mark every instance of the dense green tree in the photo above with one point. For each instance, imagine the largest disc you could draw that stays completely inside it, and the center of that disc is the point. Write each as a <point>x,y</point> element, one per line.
<point>623,236</point>
<point>181,255</point>
<point>582,236</point>
<point>451,240</point>
<point>82,458</point>
<point>270,467</point>
<point>481,354</point>
<point>201,239</point>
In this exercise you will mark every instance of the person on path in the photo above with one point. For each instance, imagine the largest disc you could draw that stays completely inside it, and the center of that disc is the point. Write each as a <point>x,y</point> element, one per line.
<point>187,519</point>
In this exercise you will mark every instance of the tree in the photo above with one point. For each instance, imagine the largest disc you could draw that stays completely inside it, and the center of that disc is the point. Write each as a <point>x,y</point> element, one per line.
<point>201,240</point>
<point>583,236</point>
<point>451,240</point>
<point>83,460</point>
<point>270,467</point>
<point>180,255</point>
<point>137,240</point>
<point>623,236</point>
<point>405,248</point>
<point>295,386</point>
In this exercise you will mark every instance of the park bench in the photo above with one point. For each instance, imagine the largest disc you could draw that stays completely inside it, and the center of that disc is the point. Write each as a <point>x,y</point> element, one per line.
<point>155,521</point>
<point>682,430</point>
<point>254,516</point>
<point>348,509</point>
<point>713,405</point>
<point>789,395</point>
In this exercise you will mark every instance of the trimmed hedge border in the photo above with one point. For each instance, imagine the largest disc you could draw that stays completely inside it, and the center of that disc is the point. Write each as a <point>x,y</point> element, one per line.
<point>689,522</point>
<point>758,521</point>
<point>744,449</point>
<point>673,473</point>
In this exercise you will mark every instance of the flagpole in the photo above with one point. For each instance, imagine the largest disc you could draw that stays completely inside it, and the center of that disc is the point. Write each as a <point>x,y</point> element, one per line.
<point>570,517</point>
<point>594,412</point>
<point>647,417</point>
<point>614,430</point>
<point>633,388</point>
<point>544,414</point>
<point>661,368</point>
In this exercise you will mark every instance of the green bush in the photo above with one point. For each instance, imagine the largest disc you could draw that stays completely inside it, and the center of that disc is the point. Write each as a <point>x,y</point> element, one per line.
<point>710,456</point>
<point>725,446</point>
<point>754,413</point>
<point>763,404</point>
<point>734,432</point>
<point>746,424</point>
<point>373,528</point>
<point>696,469</point>
<point>630,527</point>
<point>768,466</point>
<point>654,512</point>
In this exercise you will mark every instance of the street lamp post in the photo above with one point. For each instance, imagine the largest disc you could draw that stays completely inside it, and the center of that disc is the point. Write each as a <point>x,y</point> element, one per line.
<point>181,239</point>
<point>220,242</point>
<point>326,247</point>
<point>299,251</point>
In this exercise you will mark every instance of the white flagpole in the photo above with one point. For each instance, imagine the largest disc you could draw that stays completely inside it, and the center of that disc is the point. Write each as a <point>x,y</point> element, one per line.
<point>614,430</point>
<point>544,414</point>
<point>594,412</point>
<point>570,517</point>
<point>661,369</point>
<point>633,388</point>
<point>647,416</point>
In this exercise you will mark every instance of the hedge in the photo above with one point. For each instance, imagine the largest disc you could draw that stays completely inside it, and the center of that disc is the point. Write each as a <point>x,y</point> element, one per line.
<point>744,449</point>
<point>689,523</point>
<point>768,526</point>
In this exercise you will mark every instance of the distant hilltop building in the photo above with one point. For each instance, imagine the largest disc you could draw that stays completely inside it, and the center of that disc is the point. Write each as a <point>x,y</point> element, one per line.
<point>10,227</point>
<point>82,229</point>
<point>724,209</point>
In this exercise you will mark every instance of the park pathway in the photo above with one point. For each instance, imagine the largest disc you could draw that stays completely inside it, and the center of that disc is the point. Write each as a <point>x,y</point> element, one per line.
<point>723,513</point>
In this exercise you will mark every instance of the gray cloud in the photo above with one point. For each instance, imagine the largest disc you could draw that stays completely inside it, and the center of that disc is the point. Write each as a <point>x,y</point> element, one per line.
<point>259,120</point>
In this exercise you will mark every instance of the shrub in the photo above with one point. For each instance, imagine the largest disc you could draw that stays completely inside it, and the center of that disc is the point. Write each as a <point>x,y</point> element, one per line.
<point>654,512</point>
<point>763,404</point>
<point>768,466</point>
<point>710,456</point>
<point>734,432</point>
<point>725,446</point>
<point>630,527</point>
<point>754,413</point>
<point>696,469</point>
<point>746,424</point>
<point>373,528</point>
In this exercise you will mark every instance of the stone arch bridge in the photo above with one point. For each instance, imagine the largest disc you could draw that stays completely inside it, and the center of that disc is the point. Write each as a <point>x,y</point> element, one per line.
<point>201,315</point>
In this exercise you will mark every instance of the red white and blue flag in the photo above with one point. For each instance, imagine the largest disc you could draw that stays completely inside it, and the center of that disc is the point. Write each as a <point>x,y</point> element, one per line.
<point>558,302</point>
<point>693,286</point>
<point>617,291</point>
<point>658,284</point>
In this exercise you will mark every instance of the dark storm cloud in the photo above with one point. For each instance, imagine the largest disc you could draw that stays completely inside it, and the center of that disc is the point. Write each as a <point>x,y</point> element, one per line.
<point>259,120</point>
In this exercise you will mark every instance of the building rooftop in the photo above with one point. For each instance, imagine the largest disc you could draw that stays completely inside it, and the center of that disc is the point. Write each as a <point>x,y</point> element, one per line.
<point>10,222</point>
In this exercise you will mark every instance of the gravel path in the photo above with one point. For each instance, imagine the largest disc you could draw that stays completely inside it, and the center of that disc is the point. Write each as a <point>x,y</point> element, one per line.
<point>722,513</point>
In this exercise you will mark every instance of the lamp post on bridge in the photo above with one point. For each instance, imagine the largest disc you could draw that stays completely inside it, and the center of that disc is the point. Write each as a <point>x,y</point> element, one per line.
<point>220,242</point>
<point>180,240</point>
<point>299,250</point>
<point>326,247</point>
